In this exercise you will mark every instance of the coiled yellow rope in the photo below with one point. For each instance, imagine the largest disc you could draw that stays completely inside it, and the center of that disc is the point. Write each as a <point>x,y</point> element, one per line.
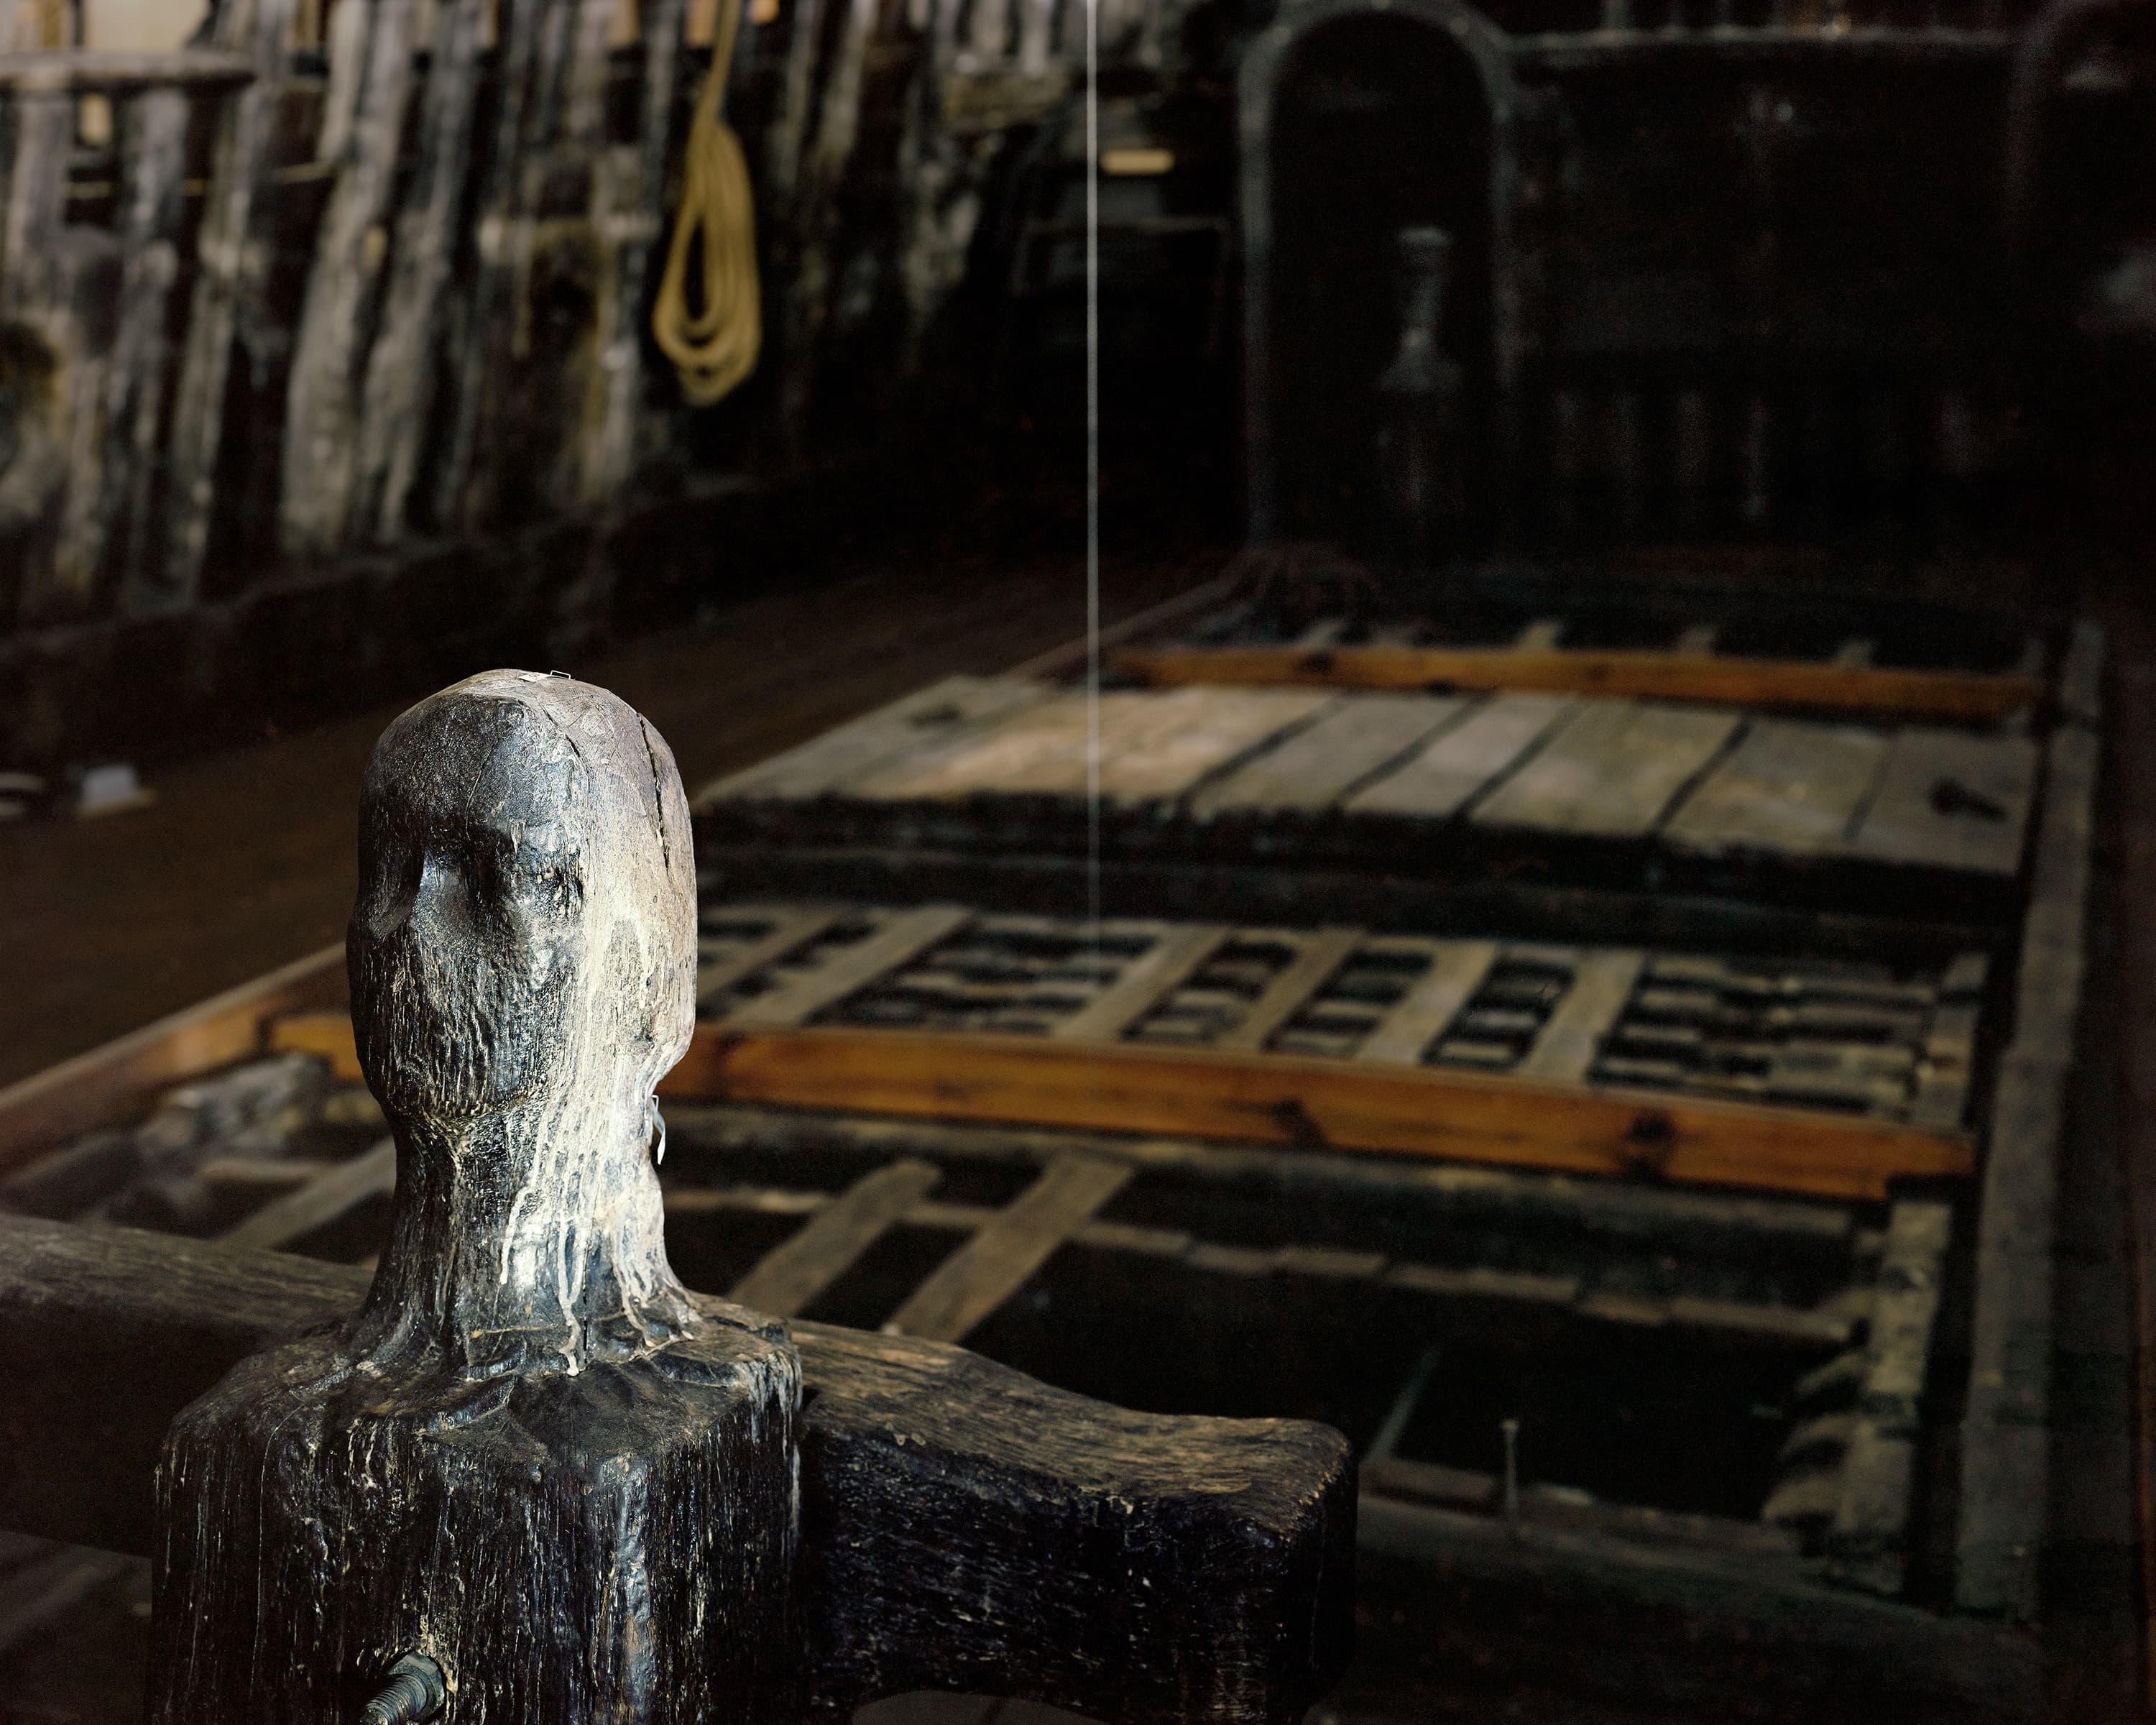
<point>715,348</point>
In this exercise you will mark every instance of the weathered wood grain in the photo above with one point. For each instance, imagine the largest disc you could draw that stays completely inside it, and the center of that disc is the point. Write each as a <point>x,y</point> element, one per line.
<point>903,1441</point>
<point>955,706</point>
<point>1419,1017</point>
<point>1320,763</point>
<point>1611,770</point>
<point>397,398</point>
<point>969,1285</point>
<point>1463,760</point>
<point>791,928</point>
<point>906,936</point>
<point>1789,789</point>
<point>788,1279</point>
<point>1142,983</point>
<point>1152,747</point>
<point>1952,800</point>
<point>1565,1048</point>
<point>1286,994</point>
<point>227,273</point>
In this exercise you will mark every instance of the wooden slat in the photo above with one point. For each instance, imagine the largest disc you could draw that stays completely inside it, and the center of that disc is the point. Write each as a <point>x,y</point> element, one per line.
<point>1760,683</point>
<point>372,1173</point>
<point>227,270</point>
<point>394,408</point>
<point>927,716</point>
<point>1611,770</point>
<point>1868,1539</point>
<point>1152,746</point>
<point>153,132</point>
<point>1565,1047</point>
<point>1788,787</point>
<point>1322,762</point>
<point>904,938</point>
<point>1312,1104</point>
<point>115,1083</point>
<point>794,928</point>
<point>792,1276</point>
<point>1323,953</point>
<point>996,1262</point>
<point>1420,1015</point>
<point>328,360</point>
<point>1953,801</point>
<point>1159,970</point>
<point>1461,760</point>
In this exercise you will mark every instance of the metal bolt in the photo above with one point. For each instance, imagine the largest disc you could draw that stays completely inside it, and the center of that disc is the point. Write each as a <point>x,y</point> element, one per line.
<point>415,1691</point>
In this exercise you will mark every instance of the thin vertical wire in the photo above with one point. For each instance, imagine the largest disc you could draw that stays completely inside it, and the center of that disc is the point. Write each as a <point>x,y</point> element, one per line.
<point>1093,473</point>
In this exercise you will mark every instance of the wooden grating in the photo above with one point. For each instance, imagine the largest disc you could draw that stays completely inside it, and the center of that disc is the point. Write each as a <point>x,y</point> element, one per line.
<point>1812,1077</point>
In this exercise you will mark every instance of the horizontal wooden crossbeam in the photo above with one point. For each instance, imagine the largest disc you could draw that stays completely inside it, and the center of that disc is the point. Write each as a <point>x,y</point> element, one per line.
<point>1298,1103</point>
<point>1756,683</point>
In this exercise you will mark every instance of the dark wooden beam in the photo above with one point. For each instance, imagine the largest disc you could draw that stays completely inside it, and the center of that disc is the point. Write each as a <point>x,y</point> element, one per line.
<point>932,1481</point>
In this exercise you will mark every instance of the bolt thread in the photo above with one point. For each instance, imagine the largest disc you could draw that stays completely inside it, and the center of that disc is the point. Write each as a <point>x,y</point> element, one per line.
<point>414,1693</point>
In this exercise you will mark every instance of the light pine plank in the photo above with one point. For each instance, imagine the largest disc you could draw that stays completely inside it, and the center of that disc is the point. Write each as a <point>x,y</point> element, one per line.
<point>1434,1000</point>
<point>1566,1046</point>
<point>998,1260</point>
<point>789,1278</point>
<point>1320,763</point>
<point>1946,799</point>
<point>902,939</point>
<point>1611,770</point>
<point>1153,974</point>
<point>1789,787</point>
<point>1434,783</point>
<point>1322,954</point>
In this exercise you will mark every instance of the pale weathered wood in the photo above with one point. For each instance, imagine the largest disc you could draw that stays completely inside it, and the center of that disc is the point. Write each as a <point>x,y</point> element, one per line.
<point>1611,770</point>
<point>1463,760</point>
<point>1565,1048</point>
<point>1150,748</point>
<point>152,130</point>
<point>1868,1537</point>
<point>1952,800</point>
<point>227,273</point>
<point>1789,789</point>
<point>122,72</point>
<point>1322,954</point>
<point>334,1192</point>
<point>1317,766</point>
<point>790,929</point>
<point>903,937</point>
<point>1420,1017</point>
<point>1142,984</point>
<point>324,398</point>
<point>397,399</point>
<point>954,707</point>
<point>995,1263</point>
<point>788,1278</point>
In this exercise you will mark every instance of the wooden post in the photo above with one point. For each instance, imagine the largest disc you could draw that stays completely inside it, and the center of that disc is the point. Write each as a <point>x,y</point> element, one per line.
<point>532,1469</point>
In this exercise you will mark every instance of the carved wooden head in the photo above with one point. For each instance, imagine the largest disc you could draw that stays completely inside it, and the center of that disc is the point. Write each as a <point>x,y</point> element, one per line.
<point>523,958</point>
